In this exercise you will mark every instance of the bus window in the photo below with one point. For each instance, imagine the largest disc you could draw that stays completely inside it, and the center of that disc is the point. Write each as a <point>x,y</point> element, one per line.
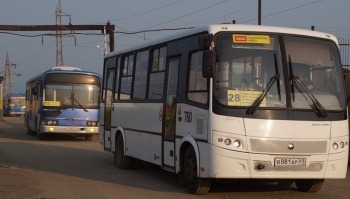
<point>197,84</point>
<point>126,79</point>
<point>141,75</point>
<point>157,75</point>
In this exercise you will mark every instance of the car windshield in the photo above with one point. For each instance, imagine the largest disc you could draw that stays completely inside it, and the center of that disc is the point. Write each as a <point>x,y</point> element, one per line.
<point>251,68</point>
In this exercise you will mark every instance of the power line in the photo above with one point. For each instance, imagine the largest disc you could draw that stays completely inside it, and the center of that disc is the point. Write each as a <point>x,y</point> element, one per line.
<point>141,13</point>
<point>77,33</point>
<point>189,14</point>
<point>269,15</point>
<point>231,13</point>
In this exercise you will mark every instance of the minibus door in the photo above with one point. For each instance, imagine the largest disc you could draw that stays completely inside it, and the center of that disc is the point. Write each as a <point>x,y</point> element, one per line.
<point>169,120</point>
<point>108,109</point>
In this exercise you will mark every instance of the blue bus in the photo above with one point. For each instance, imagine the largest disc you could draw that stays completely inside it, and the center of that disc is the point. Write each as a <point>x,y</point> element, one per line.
<point>63,100</point>
<point>13,104</point>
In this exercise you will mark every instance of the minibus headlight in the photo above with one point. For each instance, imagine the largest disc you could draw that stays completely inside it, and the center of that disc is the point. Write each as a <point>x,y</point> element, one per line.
<point>49,122</point>
<point>236,143</point>
<point>335,146</point>
<point>94,123</point>
<point>341,144</point>
<point>228,141</point>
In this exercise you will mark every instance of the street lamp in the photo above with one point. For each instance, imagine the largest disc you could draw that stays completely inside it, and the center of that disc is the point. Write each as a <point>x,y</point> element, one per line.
<point>103,49</point>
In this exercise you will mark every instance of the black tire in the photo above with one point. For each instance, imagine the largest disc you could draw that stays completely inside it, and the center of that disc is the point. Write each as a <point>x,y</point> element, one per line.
<point>29,131</point>
<point>40,136</point>
<point>122,161</point>
<point>309,185</point>
<point>194,184</point>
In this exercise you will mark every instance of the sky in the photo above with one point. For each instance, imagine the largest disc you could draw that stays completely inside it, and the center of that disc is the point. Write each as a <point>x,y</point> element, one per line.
<point>33,55</point>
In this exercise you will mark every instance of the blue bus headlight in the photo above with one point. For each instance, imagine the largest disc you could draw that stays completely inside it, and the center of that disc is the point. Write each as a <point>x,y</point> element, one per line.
<point>91,123</point>
<point>49,122</point>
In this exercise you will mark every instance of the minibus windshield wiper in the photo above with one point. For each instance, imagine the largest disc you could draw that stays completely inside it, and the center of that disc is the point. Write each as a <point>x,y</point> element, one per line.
<point>251,110</point>
<point>315,105</point>
<point>301,87</point>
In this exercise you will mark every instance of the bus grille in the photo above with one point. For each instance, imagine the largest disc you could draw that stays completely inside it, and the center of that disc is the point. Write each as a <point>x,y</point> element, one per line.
<point>288,147</point>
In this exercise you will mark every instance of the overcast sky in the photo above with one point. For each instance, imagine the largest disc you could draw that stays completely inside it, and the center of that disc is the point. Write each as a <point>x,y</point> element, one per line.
<point>33,55</point>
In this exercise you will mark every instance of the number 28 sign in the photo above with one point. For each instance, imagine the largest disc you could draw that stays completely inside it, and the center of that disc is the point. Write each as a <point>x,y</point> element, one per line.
<point>243,98</point>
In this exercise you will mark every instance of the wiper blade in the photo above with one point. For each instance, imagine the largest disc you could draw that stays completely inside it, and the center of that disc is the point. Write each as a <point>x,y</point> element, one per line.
<point>316,105</point>
<point>251,110</point>
<point>277,72</point>
<point>291,75</point>
<point>81,106</point>
<point>301,87</point>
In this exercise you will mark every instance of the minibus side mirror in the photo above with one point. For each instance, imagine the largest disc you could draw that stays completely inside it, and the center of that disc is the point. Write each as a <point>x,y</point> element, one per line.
<point>207,62</point>
<point>204,41</point>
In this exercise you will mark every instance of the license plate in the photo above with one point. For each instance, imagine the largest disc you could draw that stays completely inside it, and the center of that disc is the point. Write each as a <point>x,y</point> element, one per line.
<point>72,129</point>
<point>290,161</point>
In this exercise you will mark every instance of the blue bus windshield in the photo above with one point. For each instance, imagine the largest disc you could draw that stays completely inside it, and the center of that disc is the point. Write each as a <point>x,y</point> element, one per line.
<point>71,95</point>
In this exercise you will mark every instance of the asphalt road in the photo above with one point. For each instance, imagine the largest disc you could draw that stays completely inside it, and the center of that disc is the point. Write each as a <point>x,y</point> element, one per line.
<point>66,167</point>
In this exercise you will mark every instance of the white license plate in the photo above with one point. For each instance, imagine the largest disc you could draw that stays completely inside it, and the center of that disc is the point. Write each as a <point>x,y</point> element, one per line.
<point>290,161</point>
<point>72,129</point>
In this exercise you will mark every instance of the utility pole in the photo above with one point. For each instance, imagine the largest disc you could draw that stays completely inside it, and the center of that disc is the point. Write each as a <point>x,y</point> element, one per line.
<point>7,77</point>
<point>7,84</point>
<point>59,50</point>
<point>259,13</point>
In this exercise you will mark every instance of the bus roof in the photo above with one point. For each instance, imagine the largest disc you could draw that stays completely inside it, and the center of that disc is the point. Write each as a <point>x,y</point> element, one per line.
<point>15,95</point>
<point>63,69</point>
<point>213,29</point>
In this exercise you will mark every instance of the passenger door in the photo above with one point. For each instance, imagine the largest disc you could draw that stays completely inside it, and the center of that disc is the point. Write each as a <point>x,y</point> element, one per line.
<point>169,116</point>
<point>108,108</point>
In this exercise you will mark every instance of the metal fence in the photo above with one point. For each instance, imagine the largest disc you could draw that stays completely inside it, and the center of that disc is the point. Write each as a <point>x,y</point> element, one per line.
<point>344,45</point>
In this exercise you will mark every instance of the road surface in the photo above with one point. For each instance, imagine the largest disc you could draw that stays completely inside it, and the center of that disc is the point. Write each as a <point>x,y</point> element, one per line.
<point>66,167</point>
